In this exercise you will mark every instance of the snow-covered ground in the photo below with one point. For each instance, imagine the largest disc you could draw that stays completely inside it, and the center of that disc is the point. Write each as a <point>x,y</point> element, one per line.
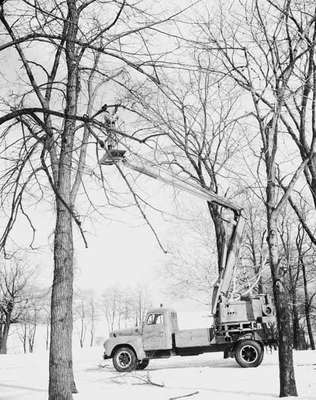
<point>209,376</point>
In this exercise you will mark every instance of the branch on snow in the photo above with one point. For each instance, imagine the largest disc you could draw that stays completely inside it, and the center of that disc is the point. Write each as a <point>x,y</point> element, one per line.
<point>184,395</point>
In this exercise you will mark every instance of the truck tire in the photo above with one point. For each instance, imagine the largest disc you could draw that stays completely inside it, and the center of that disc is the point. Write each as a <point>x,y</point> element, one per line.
<point>142,364</point>
<point>124,359</point>
<point>248,353</point>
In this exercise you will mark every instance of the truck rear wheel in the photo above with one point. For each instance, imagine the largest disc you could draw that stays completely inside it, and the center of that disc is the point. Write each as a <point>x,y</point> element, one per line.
<point>248,353</point>
<point>124,359</point>
<point>142,364</point>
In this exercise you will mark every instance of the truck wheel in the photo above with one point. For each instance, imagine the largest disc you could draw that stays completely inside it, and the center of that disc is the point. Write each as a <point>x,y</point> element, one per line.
<point>142,364</point>
<point>124,359</point>
<point>248,353</point>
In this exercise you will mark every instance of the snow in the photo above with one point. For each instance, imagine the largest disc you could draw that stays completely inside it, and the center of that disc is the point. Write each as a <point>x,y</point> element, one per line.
<point>25,377</point>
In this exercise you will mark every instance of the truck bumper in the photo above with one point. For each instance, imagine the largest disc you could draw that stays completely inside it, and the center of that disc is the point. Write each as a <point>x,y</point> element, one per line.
<point>106,357</point>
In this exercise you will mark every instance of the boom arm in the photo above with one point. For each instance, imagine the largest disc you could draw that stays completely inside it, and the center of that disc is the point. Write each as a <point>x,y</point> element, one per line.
<point>181,184</point>
<point>221,287</point>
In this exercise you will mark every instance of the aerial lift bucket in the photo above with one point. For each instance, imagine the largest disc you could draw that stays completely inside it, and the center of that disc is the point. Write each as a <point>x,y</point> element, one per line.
<point>112,156</point>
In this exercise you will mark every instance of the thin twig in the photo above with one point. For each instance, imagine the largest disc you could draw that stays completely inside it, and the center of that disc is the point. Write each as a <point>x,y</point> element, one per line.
<point>183,396</point>
<point>58,195</point>
<point>140,208</point>
<point>147,380</point>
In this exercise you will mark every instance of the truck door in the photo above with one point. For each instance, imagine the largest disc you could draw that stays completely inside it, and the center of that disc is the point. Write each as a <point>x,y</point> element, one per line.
<point>155,335</point>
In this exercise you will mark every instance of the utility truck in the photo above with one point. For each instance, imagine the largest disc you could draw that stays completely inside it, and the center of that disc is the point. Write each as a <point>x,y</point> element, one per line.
<point>240,327</point>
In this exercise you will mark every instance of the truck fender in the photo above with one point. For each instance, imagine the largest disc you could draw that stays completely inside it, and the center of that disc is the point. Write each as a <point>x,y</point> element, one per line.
<point>249,336</point>
<point>135,343</point>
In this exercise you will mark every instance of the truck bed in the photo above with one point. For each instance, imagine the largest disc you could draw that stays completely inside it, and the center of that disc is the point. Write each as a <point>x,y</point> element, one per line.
<point>193,337</point>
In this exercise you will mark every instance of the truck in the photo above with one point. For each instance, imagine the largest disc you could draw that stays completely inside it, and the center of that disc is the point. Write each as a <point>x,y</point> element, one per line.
<point>241,325</point>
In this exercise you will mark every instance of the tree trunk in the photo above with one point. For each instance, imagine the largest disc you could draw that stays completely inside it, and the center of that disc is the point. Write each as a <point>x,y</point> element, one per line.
<point>307,309</point>
<point>296,325</point>
<point>5,334</point>
<point>1,335</point>
<point>92,323</point>
<point>32,338</point>
<point>81,341</point>
<point>219,234</point>
<point>309,327</point>
<point>286,370</point>
<point>60,358</point>
<point>61,380</point>
<point>257,265</point>
<point>47,335</point>
<point>24,338</point>
<point>260,286</point>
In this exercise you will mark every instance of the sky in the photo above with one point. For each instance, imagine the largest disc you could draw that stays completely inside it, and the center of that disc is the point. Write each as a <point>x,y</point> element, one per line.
<point>128,254</point>
<point>121,249</point>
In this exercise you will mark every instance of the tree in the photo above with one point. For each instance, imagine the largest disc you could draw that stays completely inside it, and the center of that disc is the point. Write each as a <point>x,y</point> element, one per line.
<point>254,249</point>
<point>124,306</point>
<point>111,306</point>
<point>92,317</point>
<point>299,118</point>
<point>306,257</point>
<point>140,303</point>
<point>292,250</point>
<point>192,115</point>
<point>13,280</point>
<point>191,269</point>
<point>261,56</point>
<point>29,322</point>
<point>85,315</point>
<point>52,118</point>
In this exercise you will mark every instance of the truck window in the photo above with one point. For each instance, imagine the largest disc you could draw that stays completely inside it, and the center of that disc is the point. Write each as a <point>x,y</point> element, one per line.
<point>154,319</point>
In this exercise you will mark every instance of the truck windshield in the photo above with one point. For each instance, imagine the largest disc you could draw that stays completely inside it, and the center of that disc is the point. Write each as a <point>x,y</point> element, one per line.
<point>154,319</point>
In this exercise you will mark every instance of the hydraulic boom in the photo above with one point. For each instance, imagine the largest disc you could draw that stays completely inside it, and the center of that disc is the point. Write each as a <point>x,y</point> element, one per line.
<point>222,284</point>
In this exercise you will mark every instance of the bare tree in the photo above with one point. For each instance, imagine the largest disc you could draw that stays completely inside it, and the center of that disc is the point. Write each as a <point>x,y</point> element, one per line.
<point>124,306</point>
<point>191,268</point>
<point>111,306</point>
<point>56,114</point>
<point>85,315</point>
<point>306,259</point>
<point>140,302</point>
<point>254,251</point>
<point>13,281</point>
<point>192,115</point>
<point>92,318</point>
<point>255,58</point>
<point>292,245</point>
<point>28,326</point>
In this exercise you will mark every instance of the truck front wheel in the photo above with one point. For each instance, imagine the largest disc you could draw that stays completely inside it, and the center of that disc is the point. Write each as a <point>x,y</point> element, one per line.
<point>124,359</point>
<point>248,353</point>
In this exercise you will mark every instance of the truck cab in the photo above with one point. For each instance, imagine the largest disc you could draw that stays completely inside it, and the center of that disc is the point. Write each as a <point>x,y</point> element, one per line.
<point>157,329</point>
<point>153,339</point>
